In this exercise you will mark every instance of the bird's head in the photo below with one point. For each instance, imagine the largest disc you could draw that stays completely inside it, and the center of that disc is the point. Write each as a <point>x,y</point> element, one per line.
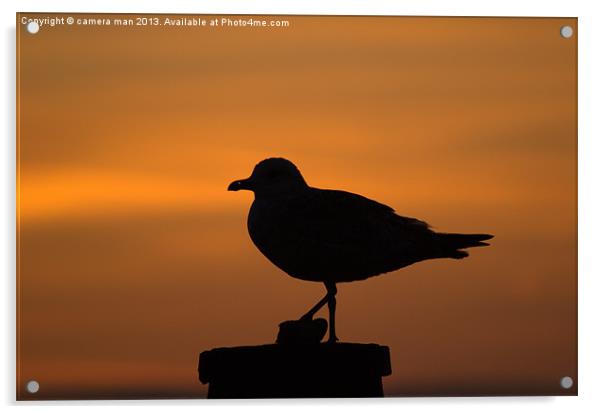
<point>273,176</point>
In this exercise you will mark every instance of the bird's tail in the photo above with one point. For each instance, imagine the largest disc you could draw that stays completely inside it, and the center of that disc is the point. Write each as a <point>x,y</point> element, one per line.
<point>452,243</point>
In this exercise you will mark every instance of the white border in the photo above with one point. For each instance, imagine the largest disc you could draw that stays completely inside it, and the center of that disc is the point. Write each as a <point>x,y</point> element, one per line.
<point>590,208</point>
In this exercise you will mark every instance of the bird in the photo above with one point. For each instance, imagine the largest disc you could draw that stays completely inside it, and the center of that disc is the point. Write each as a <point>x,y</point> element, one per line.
<point>335,236</point>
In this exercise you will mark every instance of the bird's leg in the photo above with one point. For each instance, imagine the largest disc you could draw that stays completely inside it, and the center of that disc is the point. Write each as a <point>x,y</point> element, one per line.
<point>332,305</point>
<point>310,314</point>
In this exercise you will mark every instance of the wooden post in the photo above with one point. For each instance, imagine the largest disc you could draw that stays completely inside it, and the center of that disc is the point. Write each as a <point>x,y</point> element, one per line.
<point>295,371</point>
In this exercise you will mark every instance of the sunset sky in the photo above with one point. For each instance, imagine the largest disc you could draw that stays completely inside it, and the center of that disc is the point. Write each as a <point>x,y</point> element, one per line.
<point>133,257</point>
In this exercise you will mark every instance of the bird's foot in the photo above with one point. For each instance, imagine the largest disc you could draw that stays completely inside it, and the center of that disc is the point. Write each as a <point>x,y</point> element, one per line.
<point>306,318</point>
<point>332,340</point>
<point>303,331</point>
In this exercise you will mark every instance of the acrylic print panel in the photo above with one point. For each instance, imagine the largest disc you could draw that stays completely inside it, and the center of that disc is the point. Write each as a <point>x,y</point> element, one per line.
<point>138,276</point>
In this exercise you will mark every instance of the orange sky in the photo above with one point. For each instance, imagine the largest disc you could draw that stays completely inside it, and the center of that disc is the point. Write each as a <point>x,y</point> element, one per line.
<point>133,258</point>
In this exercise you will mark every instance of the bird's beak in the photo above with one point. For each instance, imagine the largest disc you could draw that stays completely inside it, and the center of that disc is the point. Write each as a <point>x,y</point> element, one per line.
<point>245,184</point>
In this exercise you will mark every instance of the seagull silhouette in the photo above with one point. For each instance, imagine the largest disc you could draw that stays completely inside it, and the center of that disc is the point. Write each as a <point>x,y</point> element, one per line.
<point>334,236</point>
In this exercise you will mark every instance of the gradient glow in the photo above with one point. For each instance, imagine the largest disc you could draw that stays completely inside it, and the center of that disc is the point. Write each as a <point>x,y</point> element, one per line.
<point>133,257</point>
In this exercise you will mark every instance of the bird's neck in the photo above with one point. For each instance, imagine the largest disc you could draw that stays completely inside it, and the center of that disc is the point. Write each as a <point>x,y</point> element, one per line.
<point>279,196</point>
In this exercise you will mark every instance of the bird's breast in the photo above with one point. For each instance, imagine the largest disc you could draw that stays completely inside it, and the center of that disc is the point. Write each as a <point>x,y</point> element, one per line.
<point>265,224</point>
<point>271,227</point>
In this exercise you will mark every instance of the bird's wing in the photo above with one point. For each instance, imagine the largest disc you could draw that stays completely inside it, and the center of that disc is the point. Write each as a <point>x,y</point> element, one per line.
<point>352,223</point>
<point>339,236</point>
